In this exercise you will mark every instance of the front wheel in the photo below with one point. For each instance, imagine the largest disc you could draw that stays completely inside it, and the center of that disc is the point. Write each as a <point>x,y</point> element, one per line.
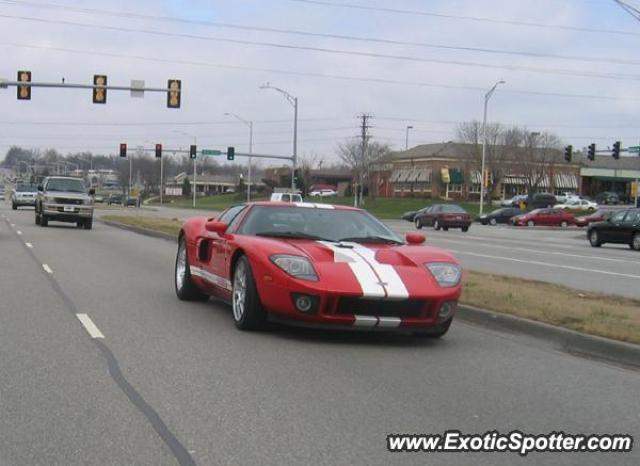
<point>14,206</point>
<point>88,224</point>
<point>186,290</point>
<point>564,224</point>
<point>635,243</point>
<point>418,224</point>
<point>493,221</point>
<point>594,239</point>
<point>247,310</point>
<point>465,229</point>
<point>531,223</point>
<point>437,332</point>
<point>436,225</point>
<point>44,220</point>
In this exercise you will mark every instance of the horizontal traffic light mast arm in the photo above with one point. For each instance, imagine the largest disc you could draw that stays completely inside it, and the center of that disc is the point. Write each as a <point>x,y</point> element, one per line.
<point>5,84</point>
<point>222,152</point>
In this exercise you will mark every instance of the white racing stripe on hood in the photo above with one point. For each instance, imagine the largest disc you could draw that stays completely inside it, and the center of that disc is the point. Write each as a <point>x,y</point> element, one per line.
<point>376,280</point>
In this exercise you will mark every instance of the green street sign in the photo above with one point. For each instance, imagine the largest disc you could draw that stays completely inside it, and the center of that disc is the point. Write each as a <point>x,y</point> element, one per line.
<point>211,152</point>
<point>633,148</point>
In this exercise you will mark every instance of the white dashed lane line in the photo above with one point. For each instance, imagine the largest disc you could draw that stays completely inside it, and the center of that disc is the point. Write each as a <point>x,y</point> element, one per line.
<point>47,268</point>
<point>19,232</point>
<point>89,326</point>
<point>29,245</point>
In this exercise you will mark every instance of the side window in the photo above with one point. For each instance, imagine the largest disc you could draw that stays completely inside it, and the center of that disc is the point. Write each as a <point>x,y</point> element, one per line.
<point>229,214</point>
<point>618,217</point>
<point>286,198</point>
<point>632,218</point>
<point>234,222</point>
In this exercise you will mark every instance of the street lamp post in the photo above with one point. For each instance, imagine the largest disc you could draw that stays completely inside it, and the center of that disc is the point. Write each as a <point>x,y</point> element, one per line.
<point>406,144</point>
<point>484,142</point>
<point>294,102</point>
<point>250,125</point>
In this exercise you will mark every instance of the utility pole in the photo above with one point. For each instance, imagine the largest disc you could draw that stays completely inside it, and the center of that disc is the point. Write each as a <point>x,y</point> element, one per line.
<point>364,134</point>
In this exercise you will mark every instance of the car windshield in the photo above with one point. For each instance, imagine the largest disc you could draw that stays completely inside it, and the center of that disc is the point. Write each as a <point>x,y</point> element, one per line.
<point>66,185</point>
<point>453,208</point>
<point>536,212</point>
<point>498,211</point>
<point>26,188</point>
<point>316,223</point>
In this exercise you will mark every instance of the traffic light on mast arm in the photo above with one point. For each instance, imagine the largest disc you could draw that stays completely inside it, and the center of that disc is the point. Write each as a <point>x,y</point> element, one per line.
<point>568,153</point>
<point>193,151</point>
<point>158,151</point>
<point>123,150</point>
<point>591,152</point>
<point>24,92</point>
<point>615,152</point>
<point>99,93</point>
<point>174,93</point>
<point>231,153</point>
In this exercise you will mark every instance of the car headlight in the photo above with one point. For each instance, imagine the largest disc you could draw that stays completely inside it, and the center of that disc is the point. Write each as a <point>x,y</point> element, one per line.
<point>296,266</point>
<point>49,199</point>
<point>447,275</point>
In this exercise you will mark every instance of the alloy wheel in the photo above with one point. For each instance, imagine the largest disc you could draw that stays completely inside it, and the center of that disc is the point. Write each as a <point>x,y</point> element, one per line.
<point>239,291</point>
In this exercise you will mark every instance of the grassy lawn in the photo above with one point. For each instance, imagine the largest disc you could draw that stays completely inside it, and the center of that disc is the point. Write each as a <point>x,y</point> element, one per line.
<point>607,316</point>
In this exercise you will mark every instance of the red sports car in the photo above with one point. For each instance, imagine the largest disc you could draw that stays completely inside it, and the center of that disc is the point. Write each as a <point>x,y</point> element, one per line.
<point>547,217</point>
<point>319,265</point>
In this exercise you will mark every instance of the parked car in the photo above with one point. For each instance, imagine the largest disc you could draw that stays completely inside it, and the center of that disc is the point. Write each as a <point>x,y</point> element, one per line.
<point>326,270</point>
<point>607,198</point>
<point>622,227</point>
<point>443,216</point>
<point>565,197</point>
<point>116,199</point>
<point>577,204</point>
<point>132,201</point>
<point>598,216</point>
<point>541,201</point>
<point>502,215</point>
<point>24,194</point>
<point>98,198</point>
<point>64,199</point>
<point>286,197</point>
<point>323,193</point>
<point>514,201</point>
<point>547,217</point>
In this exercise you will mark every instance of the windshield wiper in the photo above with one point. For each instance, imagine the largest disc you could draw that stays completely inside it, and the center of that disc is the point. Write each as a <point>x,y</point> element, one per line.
<point>372,239</point>
<point>293,235</point>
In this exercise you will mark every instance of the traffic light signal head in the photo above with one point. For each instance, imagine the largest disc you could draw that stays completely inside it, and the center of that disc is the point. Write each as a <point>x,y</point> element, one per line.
<point>568,153</point>
<point>174,93</point>
<point>231,153</point>
<point>193,150</point>
<point>99,93</point>
<point>123,150</point>
<point>591,152</point>
<point>24,92</point>
<point>158,151</point>
<point>615,152</point>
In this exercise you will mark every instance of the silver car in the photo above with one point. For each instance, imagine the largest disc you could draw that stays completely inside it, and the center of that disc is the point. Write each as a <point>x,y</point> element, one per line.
<point>24,194</point>
<point>64,199</point>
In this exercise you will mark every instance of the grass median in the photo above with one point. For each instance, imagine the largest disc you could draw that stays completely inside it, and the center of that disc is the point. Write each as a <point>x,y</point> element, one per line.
<point>606,316</point>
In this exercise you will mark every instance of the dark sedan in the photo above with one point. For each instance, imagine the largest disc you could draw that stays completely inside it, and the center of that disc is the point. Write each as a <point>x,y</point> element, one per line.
<point>622,227</point>
<point>443,216</point>
<point>499,216</point>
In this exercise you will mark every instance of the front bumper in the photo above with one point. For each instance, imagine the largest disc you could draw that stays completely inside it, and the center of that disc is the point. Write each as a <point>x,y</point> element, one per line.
<point>24,201</point>
<point>67,213</point>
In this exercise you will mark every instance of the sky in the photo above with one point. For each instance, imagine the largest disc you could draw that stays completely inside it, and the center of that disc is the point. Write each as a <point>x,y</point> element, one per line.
<point>570,67</point>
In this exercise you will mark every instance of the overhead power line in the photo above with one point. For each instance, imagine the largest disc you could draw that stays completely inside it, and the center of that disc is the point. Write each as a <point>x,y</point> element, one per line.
<point>99,12</point>
<point>318,75</point>
<point>326,50</point>
<point>467,18</point>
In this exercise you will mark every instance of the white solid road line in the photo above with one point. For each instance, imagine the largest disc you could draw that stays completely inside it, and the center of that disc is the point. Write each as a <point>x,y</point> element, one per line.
<point>88,324</point>
<point>544,264</point>
<point>47,268</point>
<point>29,245</point>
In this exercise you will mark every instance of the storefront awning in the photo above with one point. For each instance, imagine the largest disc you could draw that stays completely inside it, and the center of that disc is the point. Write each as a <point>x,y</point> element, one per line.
<point>565,181</point>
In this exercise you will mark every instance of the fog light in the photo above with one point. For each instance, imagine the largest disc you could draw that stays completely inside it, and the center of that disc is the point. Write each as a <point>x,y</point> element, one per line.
<point>447,309</point>
<point>305,303</point>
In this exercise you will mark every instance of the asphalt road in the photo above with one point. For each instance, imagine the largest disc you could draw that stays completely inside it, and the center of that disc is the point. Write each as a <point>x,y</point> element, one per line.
<point>174,382</point>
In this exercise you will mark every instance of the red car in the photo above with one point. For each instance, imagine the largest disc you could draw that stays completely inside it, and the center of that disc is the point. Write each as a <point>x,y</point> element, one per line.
<point>319,265</point>
<point>546,217</point>
<point>597,216</point>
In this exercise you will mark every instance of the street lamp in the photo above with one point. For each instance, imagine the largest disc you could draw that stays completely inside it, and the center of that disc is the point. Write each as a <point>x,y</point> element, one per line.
<point>484,141</point>
<point>294,102</point>
<point>195,142</point>
<point>406,144</point>
<point>250,125</point>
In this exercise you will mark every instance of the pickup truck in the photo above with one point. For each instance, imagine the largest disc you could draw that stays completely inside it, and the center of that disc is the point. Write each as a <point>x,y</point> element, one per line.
<point>64,199</point>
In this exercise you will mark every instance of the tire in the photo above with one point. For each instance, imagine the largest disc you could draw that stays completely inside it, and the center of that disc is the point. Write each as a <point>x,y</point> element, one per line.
<point>635,242</point>
<point>37,218</point>
<point>186,290</point>
<point>87,223</point>
<point>445,228</point>
<point>14,206</point>
<point>44,221</point>
<point>594,239</point>
<point>418,224</point>
<point>493,222</point>
<point>465,229</point>
<point>437,332</point>
<point>564,224</point>
<point>436,225</point>
<point>531,223</point>
<point>248,313</point>
<point>80,224</point>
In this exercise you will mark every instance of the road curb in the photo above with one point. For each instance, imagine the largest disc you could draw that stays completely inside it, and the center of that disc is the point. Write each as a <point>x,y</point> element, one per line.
<point>142,231</point>
<point>571,341</point>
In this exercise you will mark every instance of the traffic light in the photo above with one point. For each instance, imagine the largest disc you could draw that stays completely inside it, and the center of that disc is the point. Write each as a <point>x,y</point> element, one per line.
<point>568,153</point>
<point>24,92</point>
<point>99,93</point>
<point>123,150</point>
<point>174,93</point>
<point>591,152</point>
<point>231,153</point>
<point>193,150</point>
<point>158,151</point>
<point>615,152</point>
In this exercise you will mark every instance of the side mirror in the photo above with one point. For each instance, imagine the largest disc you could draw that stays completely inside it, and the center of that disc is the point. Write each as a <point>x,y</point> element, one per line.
<point>216,227</point>
<point>415,238</point>
<point>92,192</point>
<point>40,188</point>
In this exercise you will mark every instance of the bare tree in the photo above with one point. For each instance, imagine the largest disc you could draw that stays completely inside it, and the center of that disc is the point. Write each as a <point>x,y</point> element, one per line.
<point>359,161</point>
<point>536,156</point>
